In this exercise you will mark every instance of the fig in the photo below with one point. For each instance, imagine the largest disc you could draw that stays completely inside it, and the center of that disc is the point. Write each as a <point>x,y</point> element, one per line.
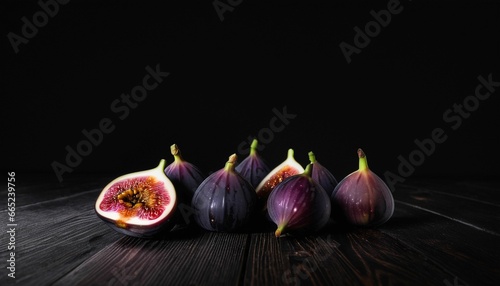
<point>322,175</point>
<point>299,204</point>
<point>362,198</point>
<point>253,168</point>
<point>140,204</point>
<point>285,169</point>
<point>185,176</point>
<point>225,201</point>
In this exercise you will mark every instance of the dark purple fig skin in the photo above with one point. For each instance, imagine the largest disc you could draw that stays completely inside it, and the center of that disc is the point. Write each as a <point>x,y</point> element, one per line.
<point>224,201</point>
<point>253,168</point>
<point>322,175</point>
<point>299,205</point>
<point>185,176</point>
<point>362,198</point>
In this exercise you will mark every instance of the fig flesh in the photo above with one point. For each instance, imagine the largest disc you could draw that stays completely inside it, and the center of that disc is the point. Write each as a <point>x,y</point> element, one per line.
<point>253,168</point>
<point>225,201</point>
<point>362,198</point>
<point>285,169</point>
<point>299,204</point>
<point>139,204</point>
<point>322,175</point>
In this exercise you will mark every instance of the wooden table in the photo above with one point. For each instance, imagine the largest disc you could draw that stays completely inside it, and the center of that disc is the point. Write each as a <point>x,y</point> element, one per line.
<point>443,232</point>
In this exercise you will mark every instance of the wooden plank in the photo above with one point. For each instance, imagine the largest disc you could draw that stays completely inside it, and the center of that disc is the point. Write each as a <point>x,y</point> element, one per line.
<point>182,259</point>
<point>55,236</point>
<point>60,240</point>
<point>338,256</point>
<point>470,255</point>
<point>476,213</point>
<point>479,191</point>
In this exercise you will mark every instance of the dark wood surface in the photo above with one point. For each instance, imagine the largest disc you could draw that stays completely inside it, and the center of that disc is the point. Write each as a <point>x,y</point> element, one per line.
<point>443,232</point>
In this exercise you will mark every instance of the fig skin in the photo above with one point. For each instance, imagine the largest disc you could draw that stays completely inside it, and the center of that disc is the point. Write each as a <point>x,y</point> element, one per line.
<point>285,169</point>
<point>299,205</point>
<point>139,204</point>
<point>253,168</point>
<point>225,201</point>
<point>322,175</point>
<point>185,176</point>
<point>362,198</point>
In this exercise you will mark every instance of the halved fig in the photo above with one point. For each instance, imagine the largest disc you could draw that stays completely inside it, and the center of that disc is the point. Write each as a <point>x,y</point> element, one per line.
<point>140,204</point>
<point>287,168</point>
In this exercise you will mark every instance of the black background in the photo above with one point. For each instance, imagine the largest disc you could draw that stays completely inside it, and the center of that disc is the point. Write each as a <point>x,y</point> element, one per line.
<point>226,77</point>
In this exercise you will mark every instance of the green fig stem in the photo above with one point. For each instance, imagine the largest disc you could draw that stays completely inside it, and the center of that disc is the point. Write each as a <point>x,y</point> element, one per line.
<point>363,163</point>
<point>279,230</point>
<point>290,153</point>
<point>230,164</point>
<point>253,147</point>
<point>308,170</point>
<point>176,152</point>
<point>312,157</point>
<point>162,164</point>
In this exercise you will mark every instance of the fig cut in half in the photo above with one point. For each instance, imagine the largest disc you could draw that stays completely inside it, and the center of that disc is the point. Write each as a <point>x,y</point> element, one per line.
<point>140,204</point>
<point>285,169</point>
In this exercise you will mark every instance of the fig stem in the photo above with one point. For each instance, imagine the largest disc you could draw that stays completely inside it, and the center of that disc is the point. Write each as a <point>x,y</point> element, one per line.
<point>312,157</point>
<point>230,162</point>
<point>279,230</point>
<point>253,146</point>
<point>290,153</point>
<point>308,170</point>
<point>162,164</point>
<point>363,163</point>
<point>176,152</point>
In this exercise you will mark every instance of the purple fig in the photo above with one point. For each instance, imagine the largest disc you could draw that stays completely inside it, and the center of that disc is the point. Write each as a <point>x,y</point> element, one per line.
<point>185,176</point>
<point>299,204</point>
<point>362,198</point>
<point>322,175</point>
<point>139,204</point>
<point>224,201</point>
<point>253,168</point>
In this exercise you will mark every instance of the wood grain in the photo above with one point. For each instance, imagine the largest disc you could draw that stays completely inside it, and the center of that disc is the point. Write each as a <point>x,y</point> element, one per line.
<point>465,252</point>
<point>208,259</point>
<point>53,237</point>
<point>442,233</point>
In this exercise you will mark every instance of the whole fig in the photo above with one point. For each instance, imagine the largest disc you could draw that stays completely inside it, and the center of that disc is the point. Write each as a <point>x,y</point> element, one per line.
<point>185,176</point>
<point>299,204</point>
<point>224,201</point>
<point>322,175</point>
<point>253,168</point>
<point>362,198</point>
